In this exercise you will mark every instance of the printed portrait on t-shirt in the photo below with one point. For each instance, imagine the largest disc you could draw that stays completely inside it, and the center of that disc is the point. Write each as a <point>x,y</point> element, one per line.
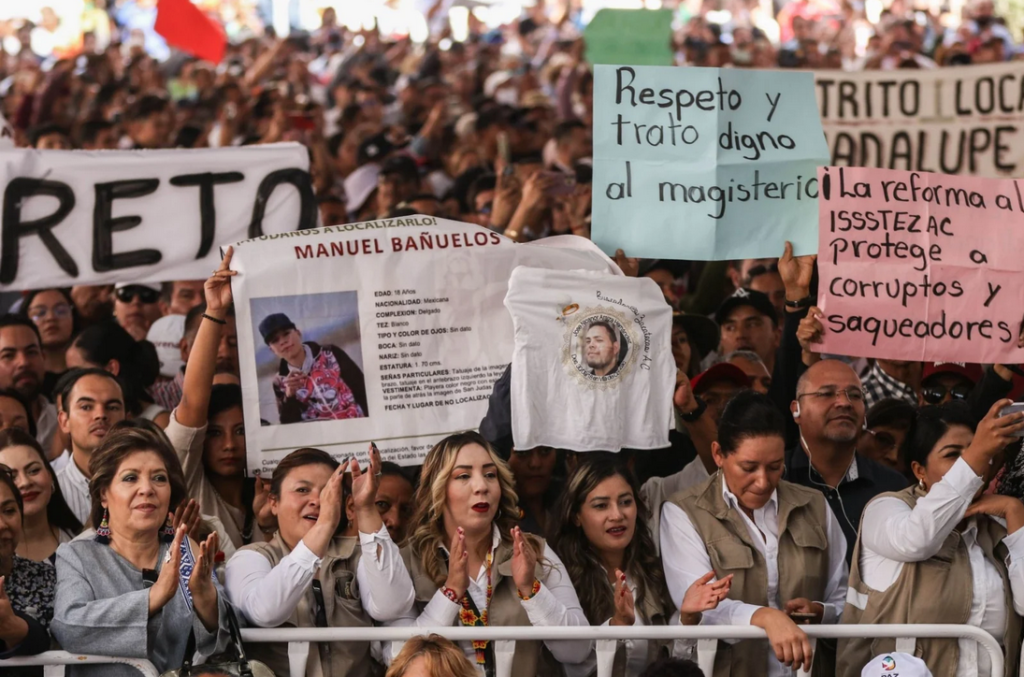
<point>600,347</point>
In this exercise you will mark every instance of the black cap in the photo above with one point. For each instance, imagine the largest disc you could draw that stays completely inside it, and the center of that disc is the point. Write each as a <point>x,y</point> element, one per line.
<point>272,324</point>
<point>701,330</point>
<point>402,166</point>
<point>746,297</point>
<point>374,149</point>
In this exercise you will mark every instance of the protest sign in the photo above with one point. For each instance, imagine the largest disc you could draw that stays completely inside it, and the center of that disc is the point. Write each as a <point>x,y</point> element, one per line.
<point>592,368</point>
<point>917,266</point>
<point>630,37</point>
<point>966,120</point>
<point>705,163</point>
<point>392,331</point>
<point>81,217</point>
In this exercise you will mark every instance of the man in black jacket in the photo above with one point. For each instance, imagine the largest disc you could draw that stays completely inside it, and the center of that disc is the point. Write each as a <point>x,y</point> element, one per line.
<point>314,382</point>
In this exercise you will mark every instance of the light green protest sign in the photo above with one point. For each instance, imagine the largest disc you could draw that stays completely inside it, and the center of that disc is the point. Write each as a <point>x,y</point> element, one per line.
<point>634,37</point>
<point>704,163</point>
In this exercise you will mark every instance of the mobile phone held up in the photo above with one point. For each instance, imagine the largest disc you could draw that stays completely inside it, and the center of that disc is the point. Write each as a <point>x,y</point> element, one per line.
<point>559,184</point>
<point>1014,408</point>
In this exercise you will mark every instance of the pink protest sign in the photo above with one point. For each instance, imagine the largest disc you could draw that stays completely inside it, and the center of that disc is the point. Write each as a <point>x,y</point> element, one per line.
<point>921,266</point>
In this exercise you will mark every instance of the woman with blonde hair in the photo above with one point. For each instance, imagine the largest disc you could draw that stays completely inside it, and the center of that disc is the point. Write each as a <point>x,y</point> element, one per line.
<point>433,656</point>
<point>471,564</point>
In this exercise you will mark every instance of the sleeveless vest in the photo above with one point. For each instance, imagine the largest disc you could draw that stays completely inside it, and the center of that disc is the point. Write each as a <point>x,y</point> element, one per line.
<point>342,607</point>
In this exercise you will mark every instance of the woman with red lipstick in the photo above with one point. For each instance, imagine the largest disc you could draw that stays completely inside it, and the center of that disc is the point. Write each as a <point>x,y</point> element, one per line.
<point>472,566</point>
<point>309,574</point>
<point>602,536</point>
<point>47,519</point>
<point>26,587</point>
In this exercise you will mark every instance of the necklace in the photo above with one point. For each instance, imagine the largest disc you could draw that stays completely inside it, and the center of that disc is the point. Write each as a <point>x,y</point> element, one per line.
<point>470,616</point>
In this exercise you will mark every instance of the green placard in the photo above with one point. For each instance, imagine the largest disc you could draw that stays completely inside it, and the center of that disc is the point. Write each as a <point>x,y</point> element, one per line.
<point>630,37</point>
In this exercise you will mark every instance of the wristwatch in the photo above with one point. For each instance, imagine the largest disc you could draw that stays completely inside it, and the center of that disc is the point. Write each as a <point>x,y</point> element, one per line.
<point>805,302</point>
<point>695,415</point>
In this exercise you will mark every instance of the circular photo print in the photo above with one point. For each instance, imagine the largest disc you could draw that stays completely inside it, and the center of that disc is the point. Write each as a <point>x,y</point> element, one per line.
<point>601,348</point>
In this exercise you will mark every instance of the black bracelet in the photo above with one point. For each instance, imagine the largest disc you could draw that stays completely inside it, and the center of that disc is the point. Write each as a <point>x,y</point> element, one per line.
<point>695,415</point>
<point>214,319</point>
<point>805,302</point>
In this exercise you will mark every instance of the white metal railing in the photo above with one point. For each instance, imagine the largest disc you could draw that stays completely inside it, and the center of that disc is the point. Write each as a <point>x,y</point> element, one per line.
<point>54,662</point>
<point>707,637</point>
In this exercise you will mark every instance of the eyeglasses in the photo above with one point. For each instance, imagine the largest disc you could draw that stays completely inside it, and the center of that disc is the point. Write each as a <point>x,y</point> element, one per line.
<point>935,394</point>
<point>61,311</point>
<point>128,294</point>
<point>854,395</point>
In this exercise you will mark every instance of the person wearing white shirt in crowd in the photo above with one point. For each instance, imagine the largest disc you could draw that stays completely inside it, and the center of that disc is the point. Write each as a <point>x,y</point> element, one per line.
<point>309,575</point>
<point>23,368</point>
<point>471,565</point>
<point>780,541</point>
<point>91,403</point>
<point>940,551</point>
<point>602,537</point>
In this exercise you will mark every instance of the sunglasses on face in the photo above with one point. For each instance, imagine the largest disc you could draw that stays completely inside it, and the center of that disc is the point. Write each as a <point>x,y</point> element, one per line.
<point>935,394</point>
<point>128,294</point>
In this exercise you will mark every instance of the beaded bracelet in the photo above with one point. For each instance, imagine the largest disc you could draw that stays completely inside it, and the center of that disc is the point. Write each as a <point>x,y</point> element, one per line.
<point>214,319</point>
<point>533,591</point>
<point>450,594</point>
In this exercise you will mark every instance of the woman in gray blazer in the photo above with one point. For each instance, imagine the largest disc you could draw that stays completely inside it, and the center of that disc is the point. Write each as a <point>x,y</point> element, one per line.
<point>118,590</point>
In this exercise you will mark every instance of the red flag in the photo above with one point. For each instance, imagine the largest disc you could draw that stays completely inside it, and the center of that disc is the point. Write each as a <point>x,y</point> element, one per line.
<point>185,26</point>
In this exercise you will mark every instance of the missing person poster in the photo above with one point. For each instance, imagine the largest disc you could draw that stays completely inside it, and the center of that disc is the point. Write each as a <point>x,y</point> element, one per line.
<point>967,120</point>
<point>100,217</point>
<point>592,368</point>
<point>917,266</point>
<point>390,331</point>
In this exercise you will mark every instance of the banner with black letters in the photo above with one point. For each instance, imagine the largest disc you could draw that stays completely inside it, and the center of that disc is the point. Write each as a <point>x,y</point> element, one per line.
<point>964,120</point>
<point>98,217</point>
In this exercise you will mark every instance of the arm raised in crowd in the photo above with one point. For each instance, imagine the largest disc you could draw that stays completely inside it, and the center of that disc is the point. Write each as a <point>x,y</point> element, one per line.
<point>202,361</point>
<point>895,531</point>
<point>381,566</point>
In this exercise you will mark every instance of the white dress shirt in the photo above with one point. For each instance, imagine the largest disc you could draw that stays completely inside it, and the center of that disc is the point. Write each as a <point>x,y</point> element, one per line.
<point>75,487</point>
<point>685,558</point>
<point>657,490</point>
<point>893,534</point>
<point>267,596</point>
<point>58,463</point>
<point>555,605</point>
<point>636,649</point>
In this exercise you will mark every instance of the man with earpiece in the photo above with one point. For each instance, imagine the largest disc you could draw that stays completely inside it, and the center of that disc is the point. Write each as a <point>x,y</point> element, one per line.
<point>829,410</point>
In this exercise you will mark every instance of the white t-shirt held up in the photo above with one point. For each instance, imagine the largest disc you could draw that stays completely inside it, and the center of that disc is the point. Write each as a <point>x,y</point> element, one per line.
<point>592,368</point>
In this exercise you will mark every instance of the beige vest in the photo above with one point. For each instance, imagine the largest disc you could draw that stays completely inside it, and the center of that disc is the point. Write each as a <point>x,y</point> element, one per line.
<point>803,558</point>
<point>505,610</point>
<point>343,609</point>
<point>937,590</point>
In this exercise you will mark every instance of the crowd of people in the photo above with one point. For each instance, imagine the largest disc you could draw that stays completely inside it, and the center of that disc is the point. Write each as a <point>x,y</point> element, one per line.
<point>797,489</point>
